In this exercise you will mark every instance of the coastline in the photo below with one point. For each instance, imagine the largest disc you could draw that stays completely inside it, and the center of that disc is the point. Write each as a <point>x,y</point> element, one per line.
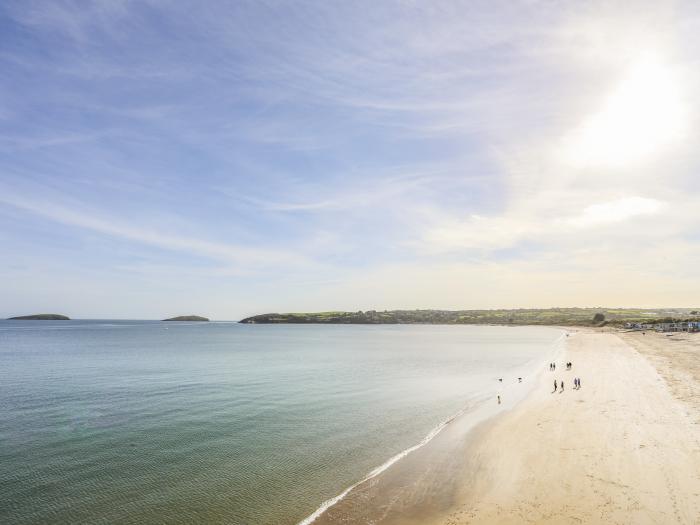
<point>625,448</point>
<point>386,486</point>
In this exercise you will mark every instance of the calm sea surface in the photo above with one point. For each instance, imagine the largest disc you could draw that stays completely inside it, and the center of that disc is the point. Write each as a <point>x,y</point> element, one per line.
<point>152,422</point>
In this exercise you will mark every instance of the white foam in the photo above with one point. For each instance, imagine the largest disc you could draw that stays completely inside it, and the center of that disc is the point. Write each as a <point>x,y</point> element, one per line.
<point>381,468</point>
<point>555,350</point>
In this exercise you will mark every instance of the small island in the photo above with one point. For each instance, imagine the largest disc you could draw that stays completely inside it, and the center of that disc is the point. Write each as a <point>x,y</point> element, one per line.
<point>40,317</point>
<point>187,318</point>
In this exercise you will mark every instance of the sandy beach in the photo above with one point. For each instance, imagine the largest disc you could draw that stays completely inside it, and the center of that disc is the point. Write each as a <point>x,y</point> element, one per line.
<point>625,448</point>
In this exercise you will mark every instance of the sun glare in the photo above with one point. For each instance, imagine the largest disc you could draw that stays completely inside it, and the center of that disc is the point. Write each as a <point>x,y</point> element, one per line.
<point>641,117</point>
<point>617,211</point>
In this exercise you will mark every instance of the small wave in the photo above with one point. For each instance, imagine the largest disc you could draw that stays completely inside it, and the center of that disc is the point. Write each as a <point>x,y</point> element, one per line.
<point>381,468</point>
<point>557,347</point>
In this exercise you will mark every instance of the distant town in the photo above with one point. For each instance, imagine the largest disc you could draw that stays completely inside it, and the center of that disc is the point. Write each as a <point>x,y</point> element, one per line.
<point>681,326</point>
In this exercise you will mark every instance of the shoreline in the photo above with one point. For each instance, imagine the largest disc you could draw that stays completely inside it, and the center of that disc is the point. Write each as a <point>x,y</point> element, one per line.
<point>625,448</point>
<point>462,424</point>
<point>380,469</point>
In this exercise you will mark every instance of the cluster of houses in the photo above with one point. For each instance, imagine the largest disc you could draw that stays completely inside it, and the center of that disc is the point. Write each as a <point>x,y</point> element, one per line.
<point>679,326</point>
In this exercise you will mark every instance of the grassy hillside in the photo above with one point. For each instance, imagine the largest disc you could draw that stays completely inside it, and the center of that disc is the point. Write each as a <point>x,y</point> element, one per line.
<point>41,317</point>
<point>534,316</point>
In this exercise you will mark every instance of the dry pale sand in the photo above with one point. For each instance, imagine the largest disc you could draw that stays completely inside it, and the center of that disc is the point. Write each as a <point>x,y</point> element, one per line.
<point>622,449</point>
<point>625,448</point>
<point>677,358</point>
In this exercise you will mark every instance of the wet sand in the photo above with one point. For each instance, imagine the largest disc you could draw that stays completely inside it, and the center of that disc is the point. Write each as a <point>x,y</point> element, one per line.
<point>625,448</point>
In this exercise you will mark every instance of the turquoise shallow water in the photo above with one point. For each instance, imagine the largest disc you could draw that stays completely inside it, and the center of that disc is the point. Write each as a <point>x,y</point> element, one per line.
<point>152,422</point>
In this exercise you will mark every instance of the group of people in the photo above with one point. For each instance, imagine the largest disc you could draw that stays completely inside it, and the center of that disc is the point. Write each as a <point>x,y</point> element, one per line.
<point>560,385</point>
<point>553,366</point>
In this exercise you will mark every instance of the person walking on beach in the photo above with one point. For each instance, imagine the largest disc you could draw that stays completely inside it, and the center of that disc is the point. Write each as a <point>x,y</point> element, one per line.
<point>499,400</point>
<point>562,386</point>
<point>555,385</point>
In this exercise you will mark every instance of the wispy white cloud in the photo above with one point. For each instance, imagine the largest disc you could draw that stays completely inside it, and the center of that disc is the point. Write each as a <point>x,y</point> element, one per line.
<point>367,190</point>
<point>72,19</point>
<point>408,144</point>
<point>617,211</point>
<point>482,235</point>
<point>245,258</point>
<point>14,143</point>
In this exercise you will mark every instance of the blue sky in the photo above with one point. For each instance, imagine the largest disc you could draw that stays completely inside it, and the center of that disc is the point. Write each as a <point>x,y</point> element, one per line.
<point>232,158</point>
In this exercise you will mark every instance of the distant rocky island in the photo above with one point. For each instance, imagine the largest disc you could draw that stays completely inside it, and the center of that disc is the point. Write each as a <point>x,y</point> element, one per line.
<point>41,317</point>
<point>187,318</point>
<point>513,317</point>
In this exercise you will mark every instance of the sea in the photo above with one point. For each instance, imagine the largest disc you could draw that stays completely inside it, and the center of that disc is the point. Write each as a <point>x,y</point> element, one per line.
<point>140,422</point>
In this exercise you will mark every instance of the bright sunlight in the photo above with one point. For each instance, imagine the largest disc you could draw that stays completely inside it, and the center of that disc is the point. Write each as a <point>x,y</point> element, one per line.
<point>644,115</point>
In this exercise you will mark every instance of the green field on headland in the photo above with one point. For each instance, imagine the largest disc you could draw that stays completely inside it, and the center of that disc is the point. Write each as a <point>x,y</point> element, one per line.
<point>529,316</point>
